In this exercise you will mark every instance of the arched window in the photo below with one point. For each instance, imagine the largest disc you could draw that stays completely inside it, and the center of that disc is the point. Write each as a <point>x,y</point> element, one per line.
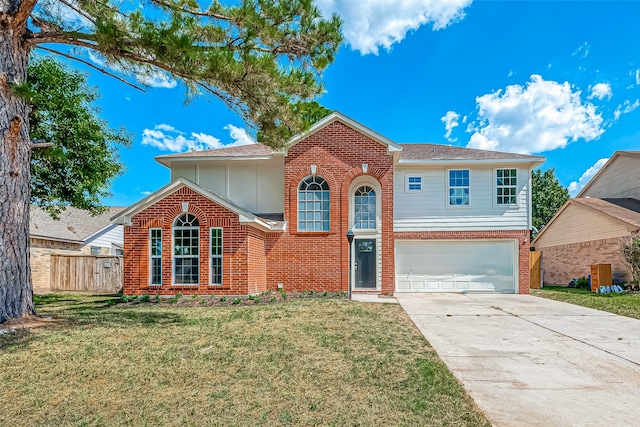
<point>186,250</point>
<point>365,208</point>
<point>313,204</point>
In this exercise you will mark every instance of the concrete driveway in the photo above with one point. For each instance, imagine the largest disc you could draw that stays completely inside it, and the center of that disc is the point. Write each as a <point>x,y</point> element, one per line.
<point>529,361</point>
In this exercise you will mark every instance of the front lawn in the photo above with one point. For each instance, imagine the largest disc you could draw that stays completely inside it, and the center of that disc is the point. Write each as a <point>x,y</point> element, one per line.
<point>301,362</point>
<point>625,303</point>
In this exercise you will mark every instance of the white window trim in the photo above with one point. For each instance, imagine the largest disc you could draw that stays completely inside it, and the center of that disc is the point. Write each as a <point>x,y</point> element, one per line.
<point>495,189</point>
<point>446,193</point>
<point>328,230</point>
<point>406,183</point>
<point>212,256</point>
<point>151,257</point>
<point>174,256</point>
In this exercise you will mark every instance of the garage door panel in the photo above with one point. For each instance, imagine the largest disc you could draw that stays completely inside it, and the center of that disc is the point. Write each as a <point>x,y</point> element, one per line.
<point>454,266</point>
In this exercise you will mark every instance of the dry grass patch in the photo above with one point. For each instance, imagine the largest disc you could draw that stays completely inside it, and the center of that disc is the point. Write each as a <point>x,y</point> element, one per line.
<point>303,362</point>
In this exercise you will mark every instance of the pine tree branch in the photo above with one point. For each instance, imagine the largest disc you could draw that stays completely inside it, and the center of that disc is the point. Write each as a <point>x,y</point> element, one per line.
<point>78,11</point>
<point>173,7</point>
<point>87,63</point>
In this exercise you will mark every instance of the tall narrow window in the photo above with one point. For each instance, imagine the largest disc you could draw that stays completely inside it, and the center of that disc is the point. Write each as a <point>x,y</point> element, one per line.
<point>186,250</point>
<point>313,204</point>
<point>216,256</point>
<point>155,244</point>
<point>365,208</point>
<point>506,186</point>
<point>459,187</point>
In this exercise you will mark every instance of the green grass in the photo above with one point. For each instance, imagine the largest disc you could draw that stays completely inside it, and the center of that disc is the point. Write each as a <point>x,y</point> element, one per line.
<point>624,304</point>
<point>302,362</point>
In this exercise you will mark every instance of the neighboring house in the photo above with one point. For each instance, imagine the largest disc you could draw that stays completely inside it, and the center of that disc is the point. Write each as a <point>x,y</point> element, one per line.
<point>241,220</point>
<point>76,232</point>
<point>590,228</point>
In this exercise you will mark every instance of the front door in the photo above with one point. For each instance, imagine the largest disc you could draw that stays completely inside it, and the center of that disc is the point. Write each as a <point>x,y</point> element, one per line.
<point>365,267</point>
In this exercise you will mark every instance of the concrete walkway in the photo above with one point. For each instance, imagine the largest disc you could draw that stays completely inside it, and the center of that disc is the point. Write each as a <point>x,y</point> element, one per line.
<point>529,361</point>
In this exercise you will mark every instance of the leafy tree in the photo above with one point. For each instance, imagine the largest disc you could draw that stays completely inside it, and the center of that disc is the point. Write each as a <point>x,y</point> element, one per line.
<point>256,56</point>
<point>630,252</point>
<point>78,169</point>
<point>547,197</point>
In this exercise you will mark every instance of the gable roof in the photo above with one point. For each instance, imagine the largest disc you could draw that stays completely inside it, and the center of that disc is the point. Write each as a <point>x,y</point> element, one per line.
<point>74,225</point>
<point>630,153</point>
<point>244,216</point>
<point>434,153</point>
<point>626,210</point>
<point>247,152</point>
<point>337,116</point>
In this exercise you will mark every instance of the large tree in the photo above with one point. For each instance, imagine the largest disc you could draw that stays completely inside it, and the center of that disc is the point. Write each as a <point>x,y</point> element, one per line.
<point>547,197</point>
<point>256,56</point>
<point>80,165</point>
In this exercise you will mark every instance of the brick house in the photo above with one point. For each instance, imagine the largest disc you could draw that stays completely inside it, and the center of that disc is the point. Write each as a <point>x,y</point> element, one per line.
<point>75,232</point>
<point>590,228</point>
<point>241,220</point>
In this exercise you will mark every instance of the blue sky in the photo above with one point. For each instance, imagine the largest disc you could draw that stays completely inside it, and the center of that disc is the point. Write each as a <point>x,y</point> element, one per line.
<point>558,79</point>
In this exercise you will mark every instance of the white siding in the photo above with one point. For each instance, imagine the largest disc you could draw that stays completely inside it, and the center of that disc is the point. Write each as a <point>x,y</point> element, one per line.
<point>619,179</point>
<point>107,236</point>
<point>254,185</point>
<point>429,209</point>
<point>580,224</point>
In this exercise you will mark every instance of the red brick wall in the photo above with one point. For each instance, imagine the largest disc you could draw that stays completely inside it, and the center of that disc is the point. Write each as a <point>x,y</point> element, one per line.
<point>239,276</point>
<point>319,260</point>
<point>521,235</point>
<point>564,262</point>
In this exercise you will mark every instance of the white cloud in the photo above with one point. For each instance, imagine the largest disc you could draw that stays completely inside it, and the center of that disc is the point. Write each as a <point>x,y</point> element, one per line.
<point>601,91</point>
<point>156,79</point>
<point>584,50</point>
<point>576,186</point>
<point>624,108</point>
<point>638,77</point>
<point>153,78</point>
<point>168,138</point>
<point>145,193</point>
<point>540,116</point>
<point>371,24</point>
<point>450,121</point>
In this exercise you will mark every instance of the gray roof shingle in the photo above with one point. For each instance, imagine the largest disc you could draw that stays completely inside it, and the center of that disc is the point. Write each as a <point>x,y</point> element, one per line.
<point>73,224</point>
<point>627,210</point>
<point>238,151</point>
<point>448,152</point>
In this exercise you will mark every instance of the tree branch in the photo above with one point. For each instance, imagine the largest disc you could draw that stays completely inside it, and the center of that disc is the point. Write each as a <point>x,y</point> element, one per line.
<point>40,143</point>
<point>162,3</point>
<point>21,16</point>
<point>87,63</point>
<point>78,11</point>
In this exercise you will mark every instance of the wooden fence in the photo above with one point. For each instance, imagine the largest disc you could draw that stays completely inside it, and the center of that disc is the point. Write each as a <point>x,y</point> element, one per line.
<point>85,273</point>
<point>535,272</point>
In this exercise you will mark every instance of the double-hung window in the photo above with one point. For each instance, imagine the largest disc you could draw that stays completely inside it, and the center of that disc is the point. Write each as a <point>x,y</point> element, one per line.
<point>459,187</point>
<point>313,204</point>
<point>216,256</point>
<point>186,250</point>
<point>365,208</point>
<point>155,245</point>
<point>506,186</point>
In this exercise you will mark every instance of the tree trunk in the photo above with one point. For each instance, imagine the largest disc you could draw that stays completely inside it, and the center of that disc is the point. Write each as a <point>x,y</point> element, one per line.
<point>16,293</point>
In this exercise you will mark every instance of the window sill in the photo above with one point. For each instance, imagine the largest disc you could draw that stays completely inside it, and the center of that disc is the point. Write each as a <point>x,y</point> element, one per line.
<point>313,233</point>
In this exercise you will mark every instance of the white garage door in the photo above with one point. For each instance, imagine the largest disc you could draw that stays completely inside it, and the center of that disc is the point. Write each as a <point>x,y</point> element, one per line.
<point>455,266</point>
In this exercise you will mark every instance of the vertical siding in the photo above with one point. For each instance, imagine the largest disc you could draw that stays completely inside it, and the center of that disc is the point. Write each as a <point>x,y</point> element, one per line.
<point>254,185</point>
<point>429,209</point>
<point>580,224</point>
<point>620,179</point>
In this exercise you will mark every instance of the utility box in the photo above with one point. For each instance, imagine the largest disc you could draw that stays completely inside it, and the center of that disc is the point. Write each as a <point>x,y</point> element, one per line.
<point>600,276</point>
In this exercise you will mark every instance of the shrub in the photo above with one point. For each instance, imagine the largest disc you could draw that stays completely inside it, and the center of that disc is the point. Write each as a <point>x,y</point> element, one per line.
<point>145,298</point>
<point>582,283</point>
